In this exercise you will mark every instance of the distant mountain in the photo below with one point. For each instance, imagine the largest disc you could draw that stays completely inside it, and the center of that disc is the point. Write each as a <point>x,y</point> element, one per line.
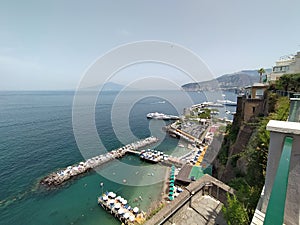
<point>110,86</point>
<point>233,81</point>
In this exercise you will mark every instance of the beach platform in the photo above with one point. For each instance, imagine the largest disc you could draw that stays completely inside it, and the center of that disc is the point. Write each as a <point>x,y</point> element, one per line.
<point>119,208</point>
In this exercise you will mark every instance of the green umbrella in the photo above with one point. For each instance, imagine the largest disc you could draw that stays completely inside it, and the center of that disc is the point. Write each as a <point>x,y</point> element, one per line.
<point>171,193</point>
<point>171,188</point>
<point>172,184</point>
<point>171,198</point>
<point>172,180</point>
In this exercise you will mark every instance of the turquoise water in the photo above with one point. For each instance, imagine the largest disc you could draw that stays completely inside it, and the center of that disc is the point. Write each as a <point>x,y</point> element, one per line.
<point>36,138</point>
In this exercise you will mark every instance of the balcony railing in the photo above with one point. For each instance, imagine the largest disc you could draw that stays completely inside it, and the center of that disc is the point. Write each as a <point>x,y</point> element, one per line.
<point>276,205</point>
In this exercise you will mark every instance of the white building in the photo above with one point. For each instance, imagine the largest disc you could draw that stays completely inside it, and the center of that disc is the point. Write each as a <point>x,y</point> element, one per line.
<point>285,65</point>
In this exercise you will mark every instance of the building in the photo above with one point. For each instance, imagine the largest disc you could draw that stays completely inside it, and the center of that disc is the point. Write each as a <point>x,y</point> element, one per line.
<point>285,65</point>
<point>252,103</point>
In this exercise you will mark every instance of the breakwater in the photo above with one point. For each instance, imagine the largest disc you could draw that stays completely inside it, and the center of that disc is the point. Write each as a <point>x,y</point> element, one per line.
<point>62,175</point>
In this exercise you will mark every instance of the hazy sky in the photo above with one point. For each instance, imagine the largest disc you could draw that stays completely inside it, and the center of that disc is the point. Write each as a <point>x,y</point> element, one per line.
<point>50,44</point>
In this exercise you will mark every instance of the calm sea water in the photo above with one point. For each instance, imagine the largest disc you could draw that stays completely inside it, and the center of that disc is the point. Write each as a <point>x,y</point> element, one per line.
<point>36,138</point>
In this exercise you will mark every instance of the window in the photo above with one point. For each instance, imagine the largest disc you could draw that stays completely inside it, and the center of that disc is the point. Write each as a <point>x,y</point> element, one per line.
<point>259,93</point>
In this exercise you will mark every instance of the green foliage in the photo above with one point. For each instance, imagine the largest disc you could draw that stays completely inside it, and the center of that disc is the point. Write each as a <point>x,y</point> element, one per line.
<point>229,137</point>
<point>289,82</point>
<point>222,129</point>
<point>155,210</point>
<point>205,114</point>
<point>246,194</point>
<point>235,212</point>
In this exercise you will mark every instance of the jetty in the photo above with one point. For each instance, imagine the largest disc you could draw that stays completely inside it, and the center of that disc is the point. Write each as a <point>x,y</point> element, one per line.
<point>62,175</point>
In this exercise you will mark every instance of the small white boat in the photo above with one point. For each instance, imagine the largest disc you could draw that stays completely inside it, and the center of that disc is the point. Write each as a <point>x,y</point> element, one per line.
<point>227,102</point>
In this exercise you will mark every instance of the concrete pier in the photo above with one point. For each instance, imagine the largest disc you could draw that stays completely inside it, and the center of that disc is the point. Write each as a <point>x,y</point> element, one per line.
<point>62,175</point>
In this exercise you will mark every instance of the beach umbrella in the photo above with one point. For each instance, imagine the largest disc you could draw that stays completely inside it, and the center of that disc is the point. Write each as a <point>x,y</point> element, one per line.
<point>112,195</point>
<point>117,206</point>
<point>124,202</point>
<point>131,218</point>
<point>171,198</point>
<point>171,184</point>
<point>105,198</point>
<point>111,202</point>
<point>172,180</point>
<point>171,193</point>
<point>121,211</point>
<point>135,209</point>
<point>171,188</point>
<point>126,215</point>
<point>118,198</point>
<point>179,190</point>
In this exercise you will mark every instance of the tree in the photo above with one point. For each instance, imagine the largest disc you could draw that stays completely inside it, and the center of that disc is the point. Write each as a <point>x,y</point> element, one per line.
<point>289,82</point>
<point>235,213</point>
<point>261,71</point>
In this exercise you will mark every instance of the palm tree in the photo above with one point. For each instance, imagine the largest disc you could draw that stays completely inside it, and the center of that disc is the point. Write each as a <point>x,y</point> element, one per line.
<point>261,71</point>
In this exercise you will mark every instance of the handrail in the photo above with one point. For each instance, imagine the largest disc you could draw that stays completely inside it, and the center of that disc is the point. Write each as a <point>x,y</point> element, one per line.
<point>276,205</point>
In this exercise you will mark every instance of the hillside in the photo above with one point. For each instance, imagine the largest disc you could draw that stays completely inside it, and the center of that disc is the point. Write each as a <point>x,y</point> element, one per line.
<point>233,81</point>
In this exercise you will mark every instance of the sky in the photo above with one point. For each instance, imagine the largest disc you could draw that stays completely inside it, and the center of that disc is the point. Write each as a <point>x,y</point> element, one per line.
<point>50,45</point>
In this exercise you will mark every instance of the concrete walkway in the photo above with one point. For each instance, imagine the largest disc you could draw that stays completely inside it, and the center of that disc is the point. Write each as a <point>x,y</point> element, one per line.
<point>203,210</point>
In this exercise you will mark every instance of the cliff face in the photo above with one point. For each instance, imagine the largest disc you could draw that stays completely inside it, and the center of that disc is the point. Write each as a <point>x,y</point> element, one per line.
<point>231,164</point>
<point>235,165</point>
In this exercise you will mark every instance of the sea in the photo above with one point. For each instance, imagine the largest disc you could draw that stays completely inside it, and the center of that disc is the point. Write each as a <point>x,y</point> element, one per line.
<point>37,138</point>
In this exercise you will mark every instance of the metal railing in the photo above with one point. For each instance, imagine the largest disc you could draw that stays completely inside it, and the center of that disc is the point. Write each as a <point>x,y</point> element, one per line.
<point>276,205</point>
